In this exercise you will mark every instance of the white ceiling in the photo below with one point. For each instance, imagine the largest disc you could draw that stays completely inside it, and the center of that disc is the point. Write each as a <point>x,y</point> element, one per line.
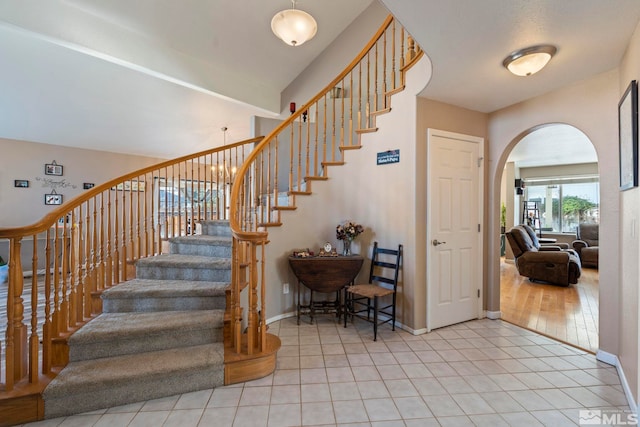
<point>550,144</point>
<point>162,77</point>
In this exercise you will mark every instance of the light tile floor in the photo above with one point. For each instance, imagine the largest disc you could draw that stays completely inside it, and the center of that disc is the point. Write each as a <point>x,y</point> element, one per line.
<point>478,373</point>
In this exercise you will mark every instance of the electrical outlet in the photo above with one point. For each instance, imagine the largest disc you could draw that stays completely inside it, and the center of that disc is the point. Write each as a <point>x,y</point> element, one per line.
<point>285,288</point>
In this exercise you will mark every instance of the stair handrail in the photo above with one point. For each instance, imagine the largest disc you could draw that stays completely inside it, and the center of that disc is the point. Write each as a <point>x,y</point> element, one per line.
<point>249,232</point>
<point>85,252</point>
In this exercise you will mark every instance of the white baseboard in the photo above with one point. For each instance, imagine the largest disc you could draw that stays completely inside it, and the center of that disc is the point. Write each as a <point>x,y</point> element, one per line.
<point>281,316</point>
<point>612,359</point>
<point>494,315</point>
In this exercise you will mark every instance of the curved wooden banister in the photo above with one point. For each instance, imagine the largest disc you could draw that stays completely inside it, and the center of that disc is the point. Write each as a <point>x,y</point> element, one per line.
<point>90,243</point>
<point>302,147</point>
<point>56,213</point>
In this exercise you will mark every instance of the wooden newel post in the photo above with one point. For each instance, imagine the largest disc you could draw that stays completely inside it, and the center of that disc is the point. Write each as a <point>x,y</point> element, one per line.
<point>411,49</point>
<point>16,329</point>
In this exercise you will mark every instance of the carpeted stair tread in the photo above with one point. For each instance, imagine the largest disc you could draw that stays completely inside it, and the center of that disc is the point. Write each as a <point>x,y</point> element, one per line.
<point>113,381</point>
<point>92,375</point>
<point>185,261</point>
<point>215,227</point>
<point>203,239</point>
<point>110,326</point>
<point>154,288</point>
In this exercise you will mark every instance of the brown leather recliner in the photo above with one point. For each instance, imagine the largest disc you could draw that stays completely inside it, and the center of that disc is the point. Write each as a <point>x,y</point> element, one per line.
<point>544,263</point>
<point>587,244</point>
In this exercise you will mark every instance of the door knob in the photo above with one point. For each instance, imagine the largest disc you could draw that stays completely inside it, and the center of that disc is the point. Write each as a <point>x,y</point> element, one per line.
<point>435,242</point>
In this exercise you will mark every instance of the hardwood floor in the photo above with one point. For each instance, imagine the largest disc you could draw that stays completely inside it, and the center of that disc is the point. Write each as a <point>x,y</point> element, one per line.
<point>568,314</point>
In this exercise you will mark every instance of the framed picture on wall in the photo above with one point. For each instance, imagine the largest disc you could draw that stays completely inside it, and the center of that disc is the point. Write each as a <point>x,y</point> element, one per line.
<point>21,183</point>
<point>628,136</point>
<point>53,169</point>
<point>53,199</point>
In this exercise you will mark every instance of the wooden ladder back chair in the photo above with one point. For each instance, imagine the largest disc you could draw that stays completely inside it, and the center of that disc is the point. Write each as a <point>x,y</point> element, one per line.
<point>383,281</point>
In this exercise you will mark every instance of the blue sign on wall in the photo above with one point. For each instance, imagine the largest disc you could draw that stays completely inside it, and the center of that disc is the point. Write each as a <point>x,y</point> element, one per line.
<point>390,156</point>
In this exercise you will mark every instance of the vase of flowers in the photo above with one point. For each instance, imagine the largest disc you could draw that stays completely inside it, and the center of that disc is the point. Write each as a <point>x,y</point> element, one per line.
<point>347,231</point>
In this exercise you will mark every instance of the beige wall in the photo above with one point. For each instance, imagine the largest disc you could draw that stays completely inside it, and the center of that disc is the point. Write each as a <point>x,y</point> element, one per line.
<point>26,160</point>
<point>590,106</point>
<point>437,115</point>
<point>324,68</point>
<point>629,245</point>
<point>381,198</point>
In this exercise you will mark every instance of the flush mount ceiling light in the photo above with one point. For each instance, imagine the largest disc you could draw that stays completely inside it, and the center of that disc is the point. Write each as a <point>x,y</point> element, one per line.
<point>293,26</point>
<point>530,60</point>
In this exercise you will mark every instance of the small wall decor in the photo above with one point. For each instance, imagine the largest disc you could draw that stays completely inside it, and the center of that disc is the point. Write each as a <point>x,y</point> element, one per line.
<point>130,186</point>
<point>88,185</point>
<point>628,135</point>
<point>53,198</point>
<point>53,169</point>
<point>21,183</point>
<point>388,157</point>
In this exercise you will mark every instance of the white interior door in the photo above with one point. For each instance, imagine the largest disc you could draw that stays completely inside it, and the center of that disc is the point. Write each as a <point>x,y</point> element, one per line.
<point>454,238</point>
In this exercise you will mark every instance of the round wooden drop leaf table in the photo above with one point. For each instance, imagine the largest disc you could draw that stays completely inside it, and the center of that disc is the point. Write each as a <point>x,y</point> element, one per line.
<point>325,274</point>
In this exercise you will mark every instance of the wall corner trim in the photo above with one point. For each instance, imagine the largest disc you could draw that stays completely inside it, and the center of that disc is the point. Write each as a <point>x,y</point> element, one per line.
<point>612,359</point>
<point>493,315</point>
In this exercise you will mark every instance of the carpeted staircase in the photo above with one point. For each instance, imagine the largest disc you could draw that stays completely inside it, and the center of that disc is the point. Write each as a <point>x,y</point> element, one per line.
<point>160,334</point>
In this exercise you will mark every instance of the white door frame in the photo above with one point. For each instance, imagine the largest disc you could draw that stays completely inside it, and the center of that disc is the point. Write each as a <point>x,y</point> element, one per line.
<point>481,202</point>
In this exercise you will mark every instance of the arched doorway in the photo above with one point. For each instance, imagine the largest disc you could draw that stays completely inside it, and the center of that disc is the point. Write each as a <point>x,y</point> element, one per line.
<point>552,168</point>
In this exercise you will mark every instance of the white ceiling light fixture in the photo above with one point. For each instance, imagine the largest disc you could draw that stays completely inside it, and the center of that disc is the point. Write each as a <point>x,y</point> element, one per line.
<point>293,26</point>
<point>530,60</point>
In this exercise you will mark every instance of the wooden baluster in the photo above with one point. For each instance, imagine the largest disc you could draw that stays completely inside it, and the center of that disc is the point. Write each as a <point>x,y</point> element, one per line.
<point>253,304</point>
<point>78,256</point>
<point>237,315</point>
<point>368,103</point>
<point>384,71</point>
<point>291,164</point>
<point>209,207</point>
<point>401,49</point>
<point>360,95</point>
<point>138,216</point>
<point>393,53</point>
<point>116,242</point>
<point>73,294</point>
<point>132,226</point>
<point>110,236</point>
<point>351,130</point>
<point>375,79</point>
<point>123,243</point>
<point>333,133</point>
<point>316,132</point>
<point>102,261</point>
<point>61,275</point>
<point>16,335</point>
<point>34,339</point>
<point>307,154</point>
<point>342,113</point>
<point>47,326</point>
<point>95,266</point>
<point>199,194</point>
<point>299,180</point>
<point>191,225</point>
<point>324,132</point>
<point>147,233</point>
<point>275,181</point>
<point>263,307</point>
<point>57,310</point>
